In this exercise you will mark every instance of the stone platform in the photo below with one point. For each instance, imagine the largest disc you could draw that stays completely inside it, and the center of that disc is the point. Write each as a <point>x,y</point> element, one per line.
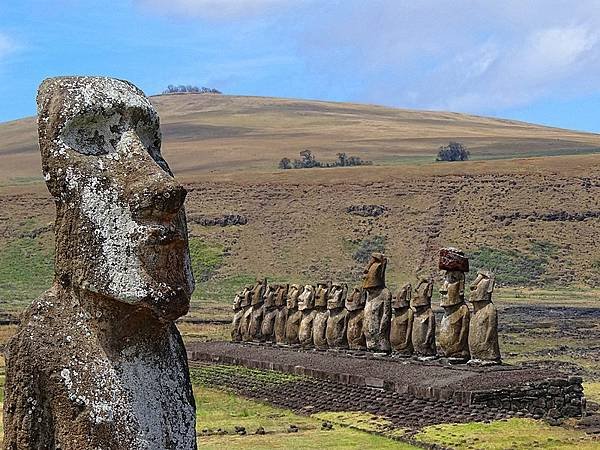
<point>534,392</point>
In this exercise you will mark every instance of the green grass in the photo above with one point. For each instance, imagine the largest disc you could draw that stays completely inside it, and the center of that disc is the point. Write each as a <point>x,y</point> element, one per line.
<point>210,375</point>
<point>513,267</point>
<point>218,409</point>
<point>206,258</point>
<point>506,434</point>
<point>26,270</point>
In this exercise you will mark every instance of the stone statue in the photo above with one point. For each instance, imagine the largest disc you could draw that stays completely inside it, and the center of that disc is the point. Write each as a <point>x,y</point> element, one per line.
<point>306,304</point>
<point>338,317</point>
<point>267,329</point>
<point>423,331</point>
<point>294,315</point>
<point>238,313</point>
<point>402,322</point>
<point>257,311</point>
<point>483,329</point>
<point>378,307</point>
<point>355,304</point>
<point>321,314</point>
<point>97,361</point>
<point>247,312</point>
<point>453,336</point>
<point>280,319</point>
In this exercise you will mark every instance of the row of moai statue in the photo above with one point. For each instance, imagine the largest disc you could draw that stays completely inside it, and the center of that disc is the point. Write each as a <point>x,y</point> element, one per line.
<point>327,316</point>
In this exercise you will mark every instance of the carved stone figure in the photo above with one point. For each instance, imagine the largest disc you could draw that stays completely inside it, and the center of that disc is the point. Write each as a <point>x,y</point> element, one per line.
<point>378,306</point>
<point>453,336</point>
<point>267,329</point>
<point>423,331</point>
<point>321,314</point>
<point>306,304</point>
<point>355,304</point>
<point>257,311</point>
<point>402,322</point>
<point>97,361</point>
<point>247,312</point>
<point>282,312</point>
<point>483,329</point>
<point>238,313</point>
<point>338,317</point>
<point>294,315</point>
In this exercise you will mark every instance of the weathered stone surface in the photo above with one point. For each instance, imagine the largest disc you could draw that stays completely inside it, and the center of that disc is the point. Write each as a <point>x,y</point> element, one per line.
<point>306,304</point>
<point>282,312</point>
<point>453,259</point>
<point>321,315</point>
<point>402,322</point>
<point>97,361</point>
<point>378,306</point>
<point>453,336</point>
<point>423,331</point>
<point>294,316</point>
<point>238,314</point>
<point>355,304</point>
<point>483,329</point>
<point>267,328</point>
<point>337,319</point>
<point>256,311</point>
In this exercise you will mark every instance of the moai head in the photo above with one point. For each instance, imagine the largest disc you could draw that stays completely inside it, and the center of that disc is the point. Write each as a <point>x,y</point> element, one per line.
<point>306,300</point>
<point>270,296</point>
<point>293,294</point>
<point>375,272</point>
<point>403,296</point>
<point>337,296</point>
<point>120,223</point>
<point>258,292</point>
<point>453,288</point>
<point>281,295</point>
<point>423,293</point>
<point>322,294</point>
<point>247,296</point>
<point>356,299</point>
<point>483,286</point>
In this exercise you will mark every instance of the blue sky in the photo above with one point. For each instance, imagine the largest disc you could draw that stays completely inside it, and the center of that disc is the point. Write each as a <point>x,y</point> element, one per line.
<point>537,61</point>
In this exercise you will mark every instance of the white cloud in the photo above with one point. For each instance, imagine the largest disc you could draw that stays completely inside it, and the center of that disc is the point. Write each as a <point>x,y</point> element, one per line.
<point>7,46</point>
<point>214,9</point>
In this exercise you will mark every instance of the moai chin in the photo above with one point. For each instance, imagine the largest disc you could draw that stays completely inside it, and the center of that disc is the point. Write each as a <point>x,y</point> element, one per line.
<point>321,314</point>
<point>294,315</point>
<point>257,311</point>
<point>337,318</point>
<point>97,361</point>
<point>423,330</point>
<point>378,306</point>
<point>238,313</point>
<point>483,329</point>
<point>267,329</point>
<point>453,336</point>
<point>306,304</point>
<point>402,322</point>
<point>282,312</point>
<point>355,305</point>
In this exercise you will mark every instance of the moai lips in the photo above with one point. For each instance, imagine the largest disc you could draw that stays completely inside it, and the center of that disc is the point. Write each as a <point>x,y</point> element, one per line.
<point>402,321</point>
<point>378,310</point>
<point>97,361</point>
<point>483,329</point>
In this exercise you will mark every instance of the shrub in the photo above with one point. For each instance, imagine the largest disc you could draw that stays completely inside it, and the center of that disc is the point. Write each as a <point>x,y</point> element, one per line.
<point>171,89</point>
<point>512,268</point>
<point>454,151</point>
<point>368,246</point>
<point>285,163</point>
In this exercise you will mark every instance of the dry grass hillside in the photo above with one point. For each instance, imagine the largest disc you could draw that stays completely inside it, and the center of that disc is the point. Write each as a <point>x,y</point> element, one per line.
<point>527,205</point>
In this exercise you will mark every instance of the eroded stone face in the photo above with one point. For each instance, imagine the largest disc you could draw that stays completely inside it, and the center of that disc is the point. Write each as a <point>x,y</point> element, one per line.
<point>374,273</point>
<point>120,219</point>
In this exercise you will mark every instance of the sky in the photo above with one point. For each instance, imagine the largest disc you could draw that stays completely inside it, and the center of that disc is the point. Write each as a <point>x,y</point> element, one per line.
<point>531,60</point>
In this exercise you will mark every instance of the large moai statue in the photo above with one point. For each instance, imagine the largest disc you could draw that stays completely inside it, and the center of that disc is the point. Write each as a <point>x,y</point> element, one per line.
<point>483,329</point>
<point>453,336</point>
<point>423,331</point>
<point>256,311</point>
<point>378,306</point>
<point>281,295</point>
<point>402,322</point>
<point>97,361</point>
<point>355,304</point>
<point>321,314</point>
<point>337,319</point>
<point>306,304</point>
<point>294,315</point>
<point>238,313</point>
<point>247,312</point>
<point>267,330</point>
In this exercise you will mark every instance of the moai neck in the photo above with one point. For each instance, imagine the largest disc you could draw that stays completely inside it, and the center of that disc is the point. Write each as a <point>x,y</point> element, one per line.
<point>480,304</point>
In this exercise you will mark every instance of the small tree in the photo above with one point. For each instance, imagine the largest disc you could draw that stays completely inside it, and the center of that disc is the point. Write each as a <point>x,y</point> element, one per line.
<point>308,159</point>
<point>454,151</point>
<point>285,163</point>
<point>342,159</point>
